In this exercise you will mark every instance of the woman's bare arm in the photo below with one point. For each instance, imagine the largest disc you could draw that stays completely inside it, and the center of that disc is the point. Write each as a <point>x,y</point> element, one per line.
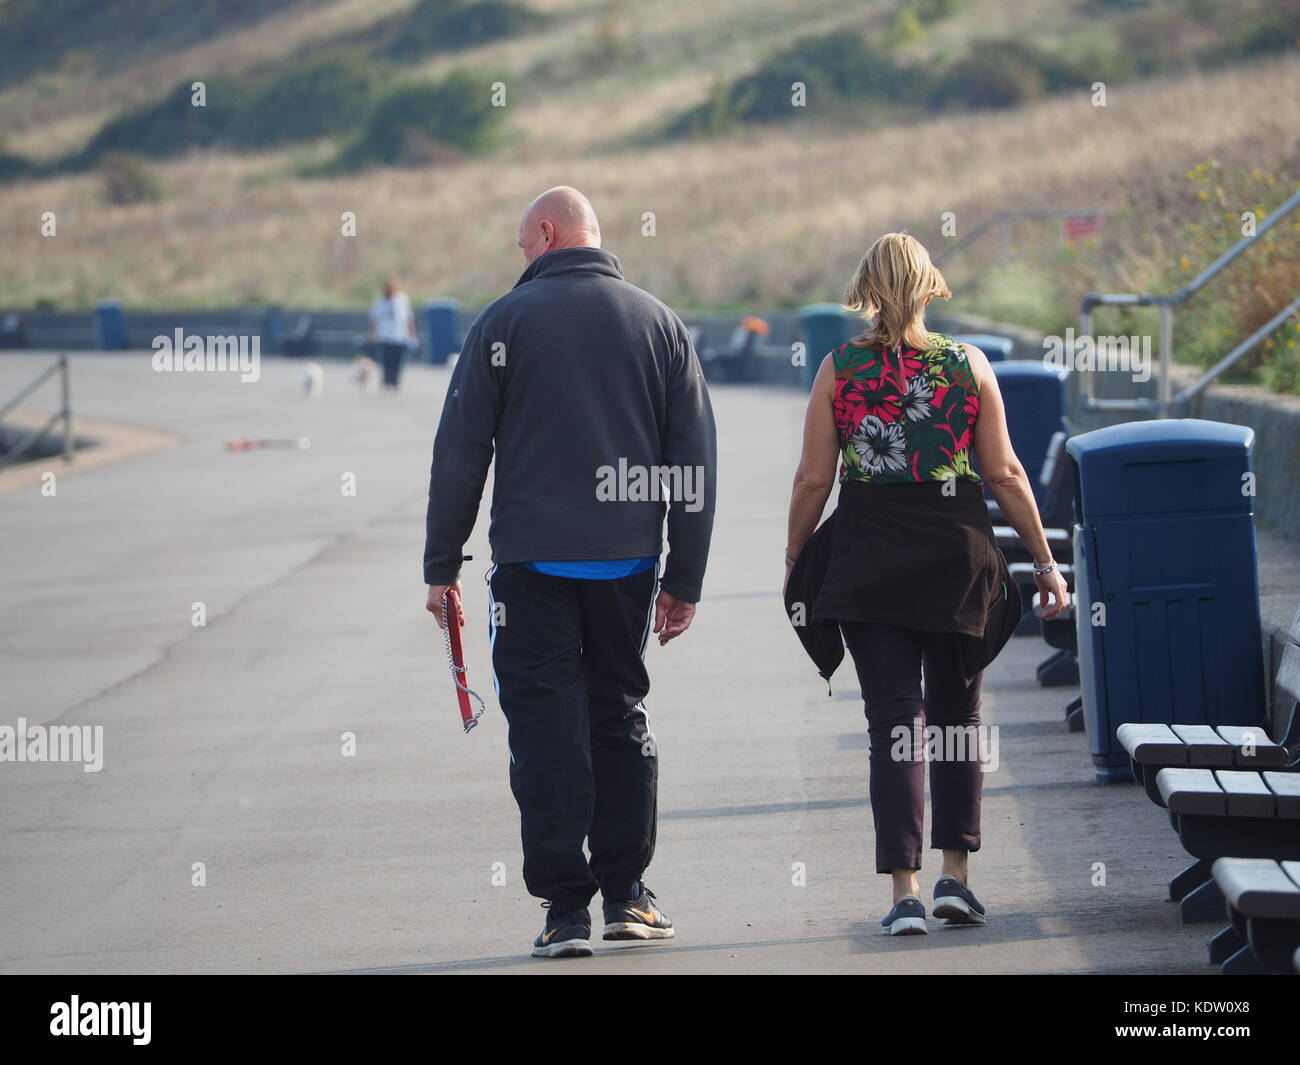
<point>1007,479</point>
<point>815,477</point>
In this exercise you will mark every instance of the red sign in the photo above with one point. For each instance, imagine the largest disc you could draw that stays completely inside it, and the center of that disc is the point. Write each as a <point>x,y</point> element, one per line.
<point>1078,226</point>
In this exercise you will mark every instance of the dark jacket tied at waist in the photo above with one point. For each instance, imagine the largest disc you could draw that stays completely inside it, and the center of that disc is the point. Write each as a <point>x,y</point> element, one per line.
<point>907,555</point>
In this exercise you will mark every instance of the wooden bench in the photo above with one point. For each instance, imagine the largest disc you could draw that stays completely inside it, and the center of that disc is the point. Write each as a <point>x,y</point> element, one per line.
<point>1023,574</point>
<point>1153,747</point>
<point>1061,668</point>
<point>1059,541</point>
<point>1263,902</point>
<point>1220,813</point>
<point>1180,750</point>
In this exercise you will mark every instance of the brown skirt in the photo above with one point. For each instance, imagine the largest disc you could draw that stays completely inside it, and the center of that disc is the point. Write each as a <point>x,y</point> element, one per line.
<point>911,556</point>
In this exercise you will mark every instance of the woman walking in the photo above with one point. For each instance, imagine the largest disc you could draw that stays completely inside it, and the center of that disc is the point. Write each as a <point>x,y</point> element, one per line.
<point>392,330</point>
<point>906,573</point>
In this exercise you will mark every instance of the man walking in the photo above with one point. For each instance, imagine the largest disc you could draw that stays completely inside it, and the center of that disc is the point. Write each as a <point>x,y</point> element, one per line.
<point>590,392</point>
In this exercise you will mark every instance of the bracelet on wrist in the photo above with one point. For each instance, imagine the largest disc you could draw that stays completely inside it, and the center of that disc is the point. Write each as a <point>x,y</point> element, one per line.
<point>1043,571</point>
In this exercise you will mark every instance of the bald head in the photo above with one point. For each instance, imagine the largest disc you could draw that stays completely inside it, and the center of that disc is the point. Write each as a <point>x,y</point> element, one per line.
<point>559,218</point>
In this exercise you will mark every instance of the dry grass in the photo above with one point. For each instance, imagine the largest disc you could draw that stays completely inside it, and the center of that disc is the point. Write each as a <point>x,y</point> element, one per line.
<point>57,112</point>
<point>771,216</point>
<point>676,48</point>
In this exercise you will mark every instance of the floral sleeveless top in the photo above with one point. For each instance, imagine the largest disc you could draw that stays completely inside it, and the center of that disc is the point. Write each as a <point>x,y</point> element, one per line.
<point>905,416</point>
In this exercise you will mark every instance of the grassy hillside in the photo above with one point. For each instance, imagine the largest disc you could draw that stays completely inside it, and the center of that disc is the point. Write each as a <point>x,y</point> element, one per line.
<point>748,213</point>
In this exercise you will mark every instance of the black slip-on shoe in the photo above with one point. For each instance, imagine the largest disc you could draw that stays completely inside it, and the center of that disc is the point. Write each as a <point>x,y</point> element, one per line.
<point>637,918</point>
<point>907,918</point>
<point>956,904</point>
<point>566,935</point>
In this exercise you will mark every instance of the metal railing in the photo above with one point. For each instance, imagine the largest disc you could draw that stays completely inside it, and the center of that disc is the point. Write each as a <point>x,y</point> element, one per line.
<point>1002,221</point>
<point>1163,403</point>
<point>63,414</point>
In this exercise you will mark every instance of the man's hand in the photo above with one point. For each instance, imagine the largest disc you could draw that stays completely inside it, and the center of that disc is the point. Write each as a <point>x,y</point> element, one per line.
<point>672,616</point>
<point>434,604</point>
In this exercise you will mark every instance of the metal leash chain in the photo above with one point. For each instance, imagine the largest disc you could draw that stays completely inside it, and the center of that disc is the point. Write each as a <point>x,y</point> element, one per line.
<point>457,671</point>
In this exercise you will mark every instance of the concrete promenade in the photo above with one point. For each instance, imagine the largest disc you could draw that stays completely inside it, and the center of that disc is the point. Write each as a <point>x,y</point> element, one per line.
<point>223,743</point>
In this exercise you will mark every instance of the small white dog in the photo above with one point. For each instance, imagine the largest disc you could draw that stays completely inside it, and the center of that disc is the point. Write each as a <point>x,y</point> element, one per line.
<point>313,380</point>
<point>365,372</point>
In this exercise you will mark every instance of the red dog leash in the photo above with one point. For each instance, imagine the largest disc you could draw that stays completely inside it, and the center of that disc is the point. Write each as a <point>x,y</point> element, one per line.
<point>456,659</point>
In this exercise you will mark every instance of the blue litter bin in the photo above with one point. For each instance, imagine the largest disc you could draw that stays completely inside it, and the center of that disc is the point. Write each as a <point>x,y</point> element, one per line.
<point>998,349</point>
<point>1165,546</point>
<point>1034,397</point>
<point>823,327</point>
<point>110,326</point>
<point>441,338</point>
<point>272,329</point>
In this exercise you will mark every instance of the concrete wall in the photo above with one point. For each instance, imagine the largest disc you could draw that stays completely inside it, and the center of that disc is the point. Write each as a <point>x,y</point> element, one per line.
<point>1276,421</point>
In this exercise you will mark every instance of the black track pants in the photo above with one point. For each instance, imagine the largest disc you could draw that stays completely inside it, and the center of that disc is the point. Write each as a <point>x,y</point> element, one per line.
<point>566,654</point>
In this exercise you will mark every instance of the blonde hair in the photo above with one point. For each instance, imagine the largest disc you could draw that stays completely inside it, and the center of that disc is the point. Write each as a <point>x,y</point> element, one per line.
<point>891,286</point>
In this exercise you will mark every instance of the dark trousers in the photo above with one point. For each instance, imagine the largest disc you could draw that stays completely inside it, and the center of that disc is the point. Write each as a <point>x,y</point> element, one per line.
<point>889,662</point>
<point>392,356</point>
<point>566,654</point>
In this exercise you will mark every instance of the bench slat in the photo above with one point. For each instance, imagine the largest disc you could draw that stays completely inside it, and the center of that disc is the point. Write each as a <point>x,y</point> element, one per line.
<point>1286,788</point>
<point>1257,887</point>
<point>1054,536</point>
<point>1248,795</point>
<point>1152,744</point>
<point>1205,747</point>
<point>1267,754</point>
<point>1192,791</point>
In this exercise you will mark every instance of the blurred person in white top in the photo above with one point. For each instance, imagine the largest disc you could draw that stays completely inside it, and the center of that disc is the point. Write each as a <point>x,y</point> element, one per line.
<point>392,330</point>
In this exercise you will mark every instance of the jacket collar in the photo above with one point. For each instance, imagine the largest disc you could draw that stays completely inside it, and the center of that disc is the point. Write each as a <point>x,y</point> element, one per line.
<point>572,260</point>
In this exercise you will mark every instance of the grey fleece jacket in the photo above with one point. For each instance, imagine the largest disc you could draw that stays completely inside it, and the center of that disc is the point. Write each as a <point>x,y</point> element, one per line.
<point>590,392</point>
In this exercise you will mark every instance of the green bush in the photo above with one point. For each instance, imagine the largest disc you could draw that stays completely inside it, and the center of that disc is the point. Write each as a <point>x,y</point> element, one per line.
<point>410,124</point>
<point>835,68</point>
<point>174,123</point>
<point>1272,31</point>
<point>306,100</point>
<point>447,25</point>
<point>127,180</point>
<point>843,67</point>
<point>43,36</point>
<point>14,166</point>
<point>1004,73</point>
<point>312,99</point>
<point>1282,359</point>
<point>1251,290</point>
<point>933,10</point>
<point>1024,294</point>
<point>913,16</point>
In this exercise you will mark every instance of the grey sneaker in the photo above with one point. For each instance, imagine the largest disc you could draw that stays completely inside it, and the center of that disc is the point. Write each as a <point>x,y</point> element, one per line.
<point>907,918</point>
<point>637,918</point>
<point>956,904</point>
<point>566,935</point>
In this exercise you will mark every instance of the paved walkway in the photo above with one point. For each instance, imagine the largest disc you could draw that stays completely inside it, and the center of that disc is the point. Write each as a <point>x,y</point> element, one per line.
<point>223,743</point>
